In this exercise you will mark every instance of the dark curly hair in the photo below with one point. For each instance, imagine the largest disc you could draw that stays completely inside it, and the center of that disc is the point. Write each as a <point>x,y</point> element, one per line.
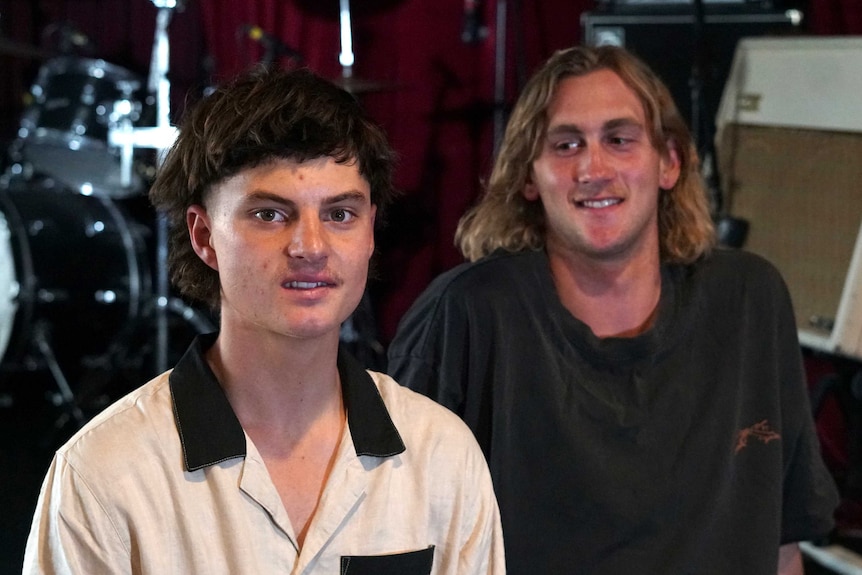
<point>263,114</point>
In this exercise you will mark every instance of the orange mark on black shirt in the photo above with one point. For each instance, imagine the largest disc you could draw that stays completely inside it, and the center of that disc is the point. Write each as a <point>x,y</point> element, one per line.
<point>761,431</point>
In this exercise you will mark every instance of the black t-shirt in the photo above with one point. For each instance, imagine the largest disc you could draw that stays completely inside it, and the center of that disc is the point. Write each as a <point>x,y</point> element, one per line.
<point>687,449</point>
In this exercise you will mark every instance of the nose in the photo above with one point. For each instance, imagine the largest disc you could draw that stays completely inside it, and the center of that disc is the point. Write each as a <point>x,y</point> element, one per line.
<point>307,239</point>
<point>592,165</point>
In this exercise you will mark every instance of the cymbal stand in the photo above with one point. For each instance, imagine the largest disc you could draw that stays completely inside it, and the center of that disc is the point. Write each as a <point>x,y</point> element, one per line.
<point>159,77</point>
<point>345,57</point>
<point>161,138</point>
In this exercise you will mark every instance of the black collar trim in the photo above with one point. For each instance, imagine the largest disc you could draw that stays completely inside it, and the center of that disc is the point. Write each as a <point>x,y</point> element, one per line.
<point>211,433</point>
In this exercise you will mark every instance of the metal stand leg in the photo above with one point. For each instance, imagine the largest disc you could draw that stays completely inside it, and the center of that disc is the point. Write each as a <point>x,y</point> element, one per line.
<point>68,398</point>
<point>162,295</point>
<point>193,317</point>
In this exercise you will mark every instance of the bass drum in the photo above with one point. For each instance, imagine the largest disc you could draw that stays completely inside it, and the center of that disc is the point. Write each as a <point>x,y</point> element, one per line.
<point>73,273</point>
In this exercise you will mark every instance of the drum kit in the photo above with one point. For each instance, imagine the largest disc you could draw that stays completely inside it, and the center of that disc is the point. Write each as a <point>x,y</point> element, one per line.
<point>85,298</point>
<point>83,281</point>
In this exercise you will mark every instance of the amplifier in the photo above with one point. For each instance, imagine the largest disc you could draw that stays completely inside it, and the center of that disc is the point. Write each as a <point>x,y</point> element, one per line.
<point>788,142</point>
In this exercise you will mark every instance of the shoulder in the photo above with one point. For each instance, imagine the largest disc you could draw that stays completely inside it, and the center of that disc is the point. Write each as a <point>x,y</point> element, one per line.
<point>486,282</point>
<point>734,272</point>
<point>472,296</point>
<point>488,272</point>
<point>738,263</point>
<point>731,284</point>
<point>118,437</point>
<point>422,422</point>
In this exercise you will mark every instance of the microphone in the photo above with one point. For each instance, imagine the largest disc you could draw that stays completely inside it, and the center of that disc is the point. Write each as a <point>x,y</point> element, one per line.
<point>473,30</point>
<point>68,38</point>
<point>79,39</point>
<point>274,46</point>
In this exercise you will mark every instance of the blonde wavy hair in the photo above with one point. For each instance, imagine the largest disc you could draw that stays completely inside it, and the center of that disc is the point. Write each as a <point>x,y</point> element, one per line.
<point>505,219</point>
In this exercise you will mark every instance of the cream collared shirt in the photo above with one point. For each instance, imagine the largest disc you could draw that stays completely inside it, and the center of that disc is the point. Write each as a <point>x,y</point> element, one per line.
<point>154,485</point>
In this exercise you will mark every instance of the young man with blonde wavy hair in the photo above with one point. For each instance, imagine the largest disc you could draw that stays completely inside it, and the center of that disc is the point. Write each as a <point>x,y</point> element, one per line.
<point>637,391</point>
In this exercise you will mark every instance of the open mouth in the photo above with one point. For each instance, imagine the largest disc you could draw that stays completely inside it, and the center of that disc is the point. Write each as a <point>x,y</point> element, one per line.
<point>305,285</point>
<point>603,203</point>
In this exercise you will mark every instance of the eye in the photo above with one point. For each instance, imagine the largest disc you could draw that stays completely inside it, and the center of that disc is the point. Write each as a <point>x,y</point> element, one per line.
<point>566,146</point>
<point>269,215</point>
<point>624,137</point>
<point>341,215</point>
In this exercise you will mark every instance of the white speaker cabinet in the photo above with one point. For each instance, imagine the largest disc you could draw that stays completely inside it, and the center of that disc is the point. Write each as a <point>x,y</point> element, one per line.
<point>789,149</point>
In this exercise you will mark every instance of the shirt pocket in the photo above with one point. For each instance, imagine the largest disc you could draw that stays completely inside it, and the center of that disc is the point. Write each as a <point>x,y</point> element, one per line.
<point>409,563</point>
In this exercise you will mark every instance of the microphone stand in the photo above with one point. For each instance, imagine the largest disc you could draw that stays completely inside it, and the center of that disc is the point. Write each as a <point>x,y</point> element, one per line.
<point>501,26</point>
<point>731,231</point>
<point>696,82</point>
<point>699,121</point>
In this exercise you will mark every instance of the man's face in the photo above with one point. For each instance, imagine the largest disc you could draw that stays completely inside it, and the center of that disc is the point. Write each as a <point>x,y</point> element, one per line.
<point>291,242</point>
<point>597,174</point>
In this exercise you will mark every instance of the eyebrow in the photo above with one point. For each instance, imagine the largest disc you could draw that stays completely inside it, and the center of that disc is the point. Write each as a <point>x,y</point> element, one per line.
<point>348,196</point>
<point>624,122</point>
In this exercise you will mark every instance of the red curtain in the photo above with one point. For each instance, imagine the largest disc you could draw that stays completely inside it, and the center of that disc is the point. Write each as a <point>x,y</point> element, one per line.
<point>436,95</point>
<point>835,17</point>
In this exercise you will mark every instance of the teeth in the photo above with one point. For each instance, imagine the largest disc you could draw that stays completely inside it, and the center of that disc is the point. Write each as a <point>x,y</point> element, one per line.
<point>305,285</point>
<point>600,203</point>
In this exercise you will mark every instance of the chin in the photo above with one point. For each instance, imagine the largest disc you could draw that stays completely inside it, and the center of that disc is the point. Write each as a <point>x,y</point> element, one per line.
<point>314,329</point>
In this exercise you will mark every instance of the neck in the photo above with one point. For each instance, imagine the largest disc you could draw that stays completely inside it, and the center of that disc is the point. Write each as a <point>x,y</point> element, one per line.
<point>614,299</point>
<point>278,384</point>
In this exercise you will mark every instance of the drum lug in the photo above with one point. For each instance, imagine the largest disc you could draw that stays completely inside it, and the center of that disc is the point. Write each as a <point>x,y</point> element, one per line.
<point>35,227</point>
<point>106,296</point>
<point>51,295</point>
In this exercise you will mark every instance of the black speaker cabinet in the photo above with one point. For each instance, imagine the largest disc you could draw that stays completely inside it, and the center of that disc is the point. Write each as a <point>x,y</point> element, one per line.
<point>668,38</point>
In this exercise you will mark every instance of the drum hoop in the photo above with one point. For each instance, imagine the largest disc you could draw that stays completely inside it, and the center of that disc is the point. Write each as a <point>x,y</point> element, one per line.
<point>53,136</point>
<point>59,64</point>
<point>136,281</point>
<point>25,276</point>
<point>9,299</point>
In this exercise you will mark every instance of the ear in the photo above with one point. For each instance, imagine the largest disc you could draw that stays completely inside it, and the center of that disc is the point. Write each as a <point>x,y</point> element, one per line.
<point>200,234</point>
<point>669,167</point>
<point>373,219</point>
